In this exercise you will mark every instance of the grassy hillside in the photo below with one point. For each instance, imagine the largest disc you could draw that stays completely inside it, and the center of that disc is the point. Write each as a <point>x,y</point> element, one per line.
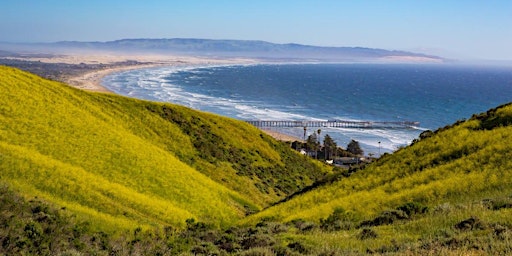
<point>420,196</point>
<point>128,163</point>
<point>466,162</point>
<point>105,162</point>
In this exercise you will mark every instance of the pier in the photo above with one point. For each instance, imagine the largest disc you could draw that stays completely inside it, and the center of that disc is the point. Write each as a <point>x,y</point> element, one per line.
<point>334,124</point>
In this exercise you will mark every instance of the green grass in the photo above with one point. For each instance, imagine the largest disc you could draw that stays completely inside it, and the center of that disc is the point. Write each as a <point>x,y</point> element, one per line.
<point>432,233</point>
<point>133,163</point>
<point>120,164</point>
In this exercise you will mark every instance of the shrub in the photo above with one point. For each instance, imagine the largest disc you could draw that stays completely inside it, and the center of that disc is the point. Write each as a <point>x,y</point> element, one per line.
<point>194,226</point>
<point>33,230</point>
<point>472,223</point>
<point>298,247</point>
<point>413,208</point>
<point>385,218</point>
<point>338,220</point>
<point>228,243</point>
<point>426,134</point>
<point>303,225</point>
<point>276,228</point>
<point>367,233</point>
<point>258,240</point>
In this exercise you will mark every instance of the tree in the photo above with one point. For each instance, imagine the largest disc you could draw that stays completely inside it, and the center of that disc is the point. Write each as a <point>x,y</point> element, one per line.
<point>354,148</point>
<point>319,146</point>
<point>312,143</point>
<point>329,147</point>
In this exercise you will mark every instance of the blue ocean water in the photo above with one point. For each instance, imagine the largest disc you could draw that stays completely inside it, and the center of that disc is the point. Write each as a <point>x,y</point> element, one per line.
<point>434,95</point>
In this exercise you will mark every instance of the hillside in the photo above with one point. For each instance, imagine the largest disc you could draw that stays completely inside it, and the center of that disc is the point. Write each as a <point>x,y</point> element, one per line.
<point>467,161</point>
<point>123,163</point>
<point>450,190</point>
<point>101,174</point>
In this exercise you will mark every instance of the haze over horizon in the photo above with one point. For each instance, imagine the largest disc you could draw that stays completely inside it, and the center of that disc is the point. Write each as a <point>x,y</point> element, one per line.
<point>469,30</point>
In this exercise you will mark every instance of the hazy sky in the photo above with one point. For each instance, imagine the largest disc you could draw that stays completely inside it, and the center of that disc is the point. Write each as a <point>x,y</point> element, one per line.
<point>466,29</point>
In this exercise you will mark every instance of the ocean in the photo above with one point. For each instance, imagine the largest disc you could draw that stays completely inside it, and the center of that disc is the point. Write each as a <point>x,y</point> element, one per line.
<point>434,95</point>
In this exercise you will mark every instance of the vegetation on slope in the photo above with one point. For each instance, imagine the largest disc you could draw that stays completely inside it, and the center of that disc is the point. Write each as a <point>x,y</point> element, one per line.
<point>127,163</point>
<point>464,162</point>
<point>459,173</point>
<point>256,160</point>
<point>123,163</point>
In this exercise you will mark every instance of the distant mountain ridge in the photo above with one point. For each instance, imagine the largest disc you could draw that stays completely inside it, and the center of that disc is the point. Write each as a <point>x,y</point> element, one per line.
<point>244,48</point>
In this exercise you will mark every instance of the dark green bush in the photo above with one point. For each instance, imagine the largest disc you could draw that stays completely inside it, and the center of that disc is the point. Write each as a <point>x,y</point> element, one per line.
<point>228,243</point>
<point>367,233</point>
<point>385,218</point>
<point>338,220</point>
<point>472,223</point>
<point>413,208</point>
<point>303,225</point>
<point>258,240</point>
<point>298,247</point>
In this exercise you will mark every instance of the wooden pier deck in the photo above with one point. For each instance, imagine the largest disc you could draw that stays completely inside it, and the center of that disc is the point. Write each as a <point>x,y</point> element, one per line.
<point>333,123</point>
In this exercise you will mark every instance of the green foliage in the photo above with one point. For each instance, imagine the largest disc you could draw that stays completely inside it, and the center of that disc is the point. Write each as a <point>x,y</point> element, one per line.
<point>494,118</point>
<point>329,147</point>
<point>385,218</point>
<point>312,143</point>
<point>338,220</point>
<point>354,148</point>
<point>413,208</point>
<point>403,212</point>
<point>35,228</point>
<point>367,233</point>
<point>273,169</point>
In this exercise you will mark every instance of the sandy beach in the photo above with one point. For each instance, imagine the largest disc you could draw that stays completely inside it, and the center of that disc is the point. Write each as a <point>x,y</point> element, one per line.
<point>281,136</point>
<point>92,81</point>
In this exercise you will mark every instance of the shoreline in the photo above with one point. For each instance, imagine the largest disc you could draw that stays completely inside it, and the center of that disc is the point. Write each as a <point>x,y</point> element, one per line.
<point>91,81</point>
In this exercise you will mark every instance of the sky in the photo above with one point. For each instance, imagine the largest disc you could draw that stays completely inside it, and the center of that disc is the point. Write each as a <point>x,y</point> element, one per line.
<point>469,29</point>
